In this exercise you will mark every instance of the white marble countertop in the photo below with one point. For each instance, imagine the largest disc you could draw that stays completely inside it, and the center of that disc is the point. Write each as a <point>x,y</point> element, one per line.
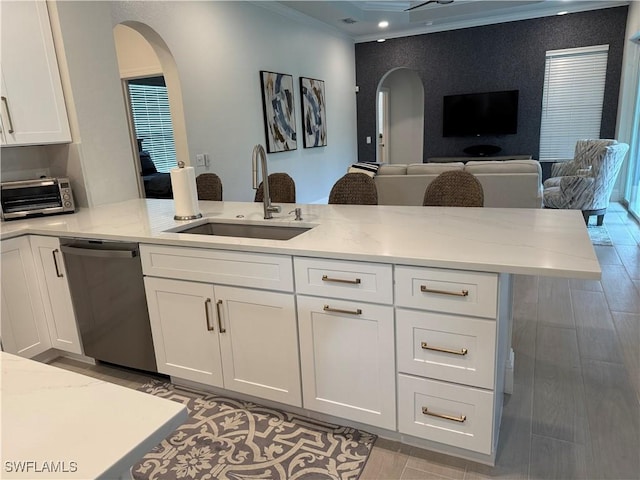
<point>509,240</point>
<point>85,427</point>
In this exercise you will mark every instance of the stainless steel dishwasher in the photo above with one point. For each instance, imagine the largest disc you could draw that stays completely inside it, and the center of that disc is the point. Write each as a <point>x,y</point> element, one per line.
<point>107,290</point>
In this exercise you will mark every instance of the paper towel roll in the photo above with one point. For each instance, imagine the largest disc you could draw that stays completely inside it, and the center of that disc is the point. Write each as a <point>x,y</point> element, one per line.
<point>185,194</point>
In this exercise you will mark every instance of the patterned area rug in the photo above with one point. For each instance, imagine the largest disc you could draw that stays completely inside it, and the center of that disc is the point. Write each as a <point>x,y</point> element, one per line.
<point>236,440</point>
<point>599,235</point>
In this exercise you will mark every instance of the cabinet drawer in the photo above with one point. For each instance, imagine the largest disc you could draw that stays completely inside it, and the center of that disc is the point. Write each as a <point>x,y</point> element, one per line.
<point>369,282</point>
<point>272,272</point>
<point>446,413</point>
<point>451,291</point>
<point>446,347</point>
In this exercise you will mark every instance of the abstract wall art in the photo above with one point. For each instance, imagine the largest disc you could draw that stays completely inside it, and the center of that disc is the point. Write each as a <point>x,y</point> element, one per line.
<point>279,111</point>
<point>314,120</point>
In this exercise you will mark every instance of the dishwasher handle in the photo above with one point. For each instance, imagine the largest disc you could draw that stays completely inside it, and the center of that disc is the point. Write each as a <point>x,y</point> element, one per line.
<point>90,252</point>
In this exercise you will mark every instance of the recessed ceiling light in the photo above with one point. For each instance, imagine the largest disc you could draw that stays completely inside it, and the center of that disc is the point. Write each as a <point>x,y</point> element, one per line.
<point>380,40</point>
<point>564,12</point>
<point>383,24</point>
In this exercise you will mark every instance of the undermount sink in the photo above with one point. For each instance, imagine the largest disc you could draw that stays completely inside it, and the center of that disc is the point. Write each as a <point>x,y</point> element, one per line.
<point>267,232</point>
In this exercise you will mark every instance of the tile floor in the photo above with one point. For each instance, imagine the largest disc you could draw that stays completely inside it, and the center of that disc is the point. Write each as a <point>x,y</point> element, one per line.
<point>575,410</point>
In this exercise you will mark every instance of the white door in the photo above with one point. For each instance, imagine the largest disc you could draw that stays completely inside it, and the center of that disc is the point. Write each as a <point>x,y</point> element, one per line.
<point>56,297</point>
<point>383,126</point>
<point>259,343</point>
<point>185,334</point>
<point>24,326</point>
<point>347,358</point>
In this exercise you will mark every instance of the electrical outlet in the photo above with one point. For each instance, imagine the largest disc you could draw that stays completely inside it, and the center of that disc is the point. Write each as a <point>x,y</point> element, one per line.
<point>368,139</point>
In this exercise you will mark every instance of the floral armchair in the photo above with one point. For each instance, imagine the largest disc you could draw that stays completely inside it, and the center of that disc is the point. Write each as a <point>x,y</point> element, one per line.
<point>585,183</point>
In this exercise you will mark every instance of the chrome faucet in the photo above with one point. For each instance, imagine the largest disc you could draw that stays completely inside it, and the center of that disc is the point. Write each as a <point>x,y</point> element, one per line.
<point>259,153</point>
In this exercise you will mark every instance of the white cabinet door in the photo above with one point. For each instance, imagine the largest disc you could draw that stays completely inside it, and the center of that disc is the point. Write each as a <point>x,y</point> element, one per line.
<point>185,334</point>
<point>33,110</point>
<point>259,343</point>
<point>24,326</point>
<point>347,358</point>
<point>56,297</point>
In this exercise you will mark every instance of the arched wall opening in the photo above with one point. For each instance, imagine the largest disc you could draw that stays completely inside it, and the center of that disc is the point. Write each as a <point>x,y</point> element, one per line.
<point>400,117</point>
<point>141,53</point>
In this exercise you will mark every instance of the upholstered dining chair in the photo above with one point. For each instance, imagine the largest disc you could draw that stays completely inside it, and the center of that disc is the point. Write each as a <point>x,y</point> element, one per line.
<point>354,189</point>
<point>209,187</point>
<point>282,189</point>
<point>586,182</point>
<point>454,188</point>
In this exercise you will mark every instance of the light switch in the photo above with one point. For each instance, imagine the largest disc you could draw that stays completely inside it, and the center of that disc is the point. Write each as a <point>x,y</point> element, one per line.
<point>200,160</point>
<point>368,139</point>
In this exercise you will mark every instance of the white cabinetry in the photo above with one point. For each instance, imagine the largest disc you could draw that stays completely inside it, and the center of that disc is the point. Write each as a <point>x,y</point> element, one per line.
<point>32,110</point>
<point>56,297</point>
<point>24,326</point>
<point>185,337</point>
<point>447,343</point>
<point>242,339</point>
<point>346,343</point>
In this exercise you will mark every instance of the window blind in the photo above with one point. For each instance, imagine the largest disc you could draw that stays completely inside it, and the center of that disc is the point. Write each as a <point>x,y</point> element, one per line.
<point>572,99</point>
<point>152,121</point>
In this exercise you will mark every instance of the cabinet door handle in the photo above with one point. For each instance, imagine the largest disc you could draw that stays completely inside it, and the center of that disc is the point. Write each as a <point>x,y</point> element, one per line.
<point>327,308</point>
<point>461,293</point>
<point>356,281</point>
<point>55,262</point>
<point>462,351</point>
<point>218,304</point>
<point>207,306</point>
<point>6,106</point>
<point>460,419</point>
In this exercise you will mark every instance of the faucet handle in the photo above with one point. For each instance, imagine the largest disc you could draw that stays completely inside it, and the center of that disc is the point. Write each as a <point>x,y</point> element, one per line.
<point>274,208</point>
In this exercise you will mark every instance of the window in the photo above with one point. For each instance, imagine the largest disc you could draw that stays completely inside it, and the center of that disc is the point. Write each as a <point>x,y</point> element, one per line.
<point>152,120</point>
<point>572,100</point>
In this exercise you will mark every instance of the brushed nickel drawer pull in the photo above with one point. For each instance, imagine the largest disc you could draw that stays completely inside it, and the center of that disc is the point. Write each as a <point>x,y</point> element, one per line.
<point>55,262</point>
<point>462,351</point>
<point>207,305</point>
<point>218,304</point>
<point>327,308</point>
<point>462,293</point>
<point>325,278</point>
<point>6,106</point>
<point>460,419</point>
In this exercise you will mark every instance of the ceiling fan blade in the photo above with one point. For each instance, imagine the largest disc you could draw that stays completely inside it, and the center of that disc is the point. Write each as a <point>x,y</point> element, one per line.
<point>441,2</point>
<point>420,5</point>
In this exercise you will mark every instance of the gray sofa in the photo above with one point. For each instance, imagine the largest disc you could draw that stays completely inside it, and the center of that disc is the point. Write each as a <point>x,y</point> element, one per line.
<point>509,183</point>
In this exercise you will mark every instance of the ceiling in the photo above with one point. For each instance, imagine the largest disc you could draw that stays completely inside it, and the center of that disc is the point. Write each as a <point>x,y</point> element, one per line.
<point>359,19</point>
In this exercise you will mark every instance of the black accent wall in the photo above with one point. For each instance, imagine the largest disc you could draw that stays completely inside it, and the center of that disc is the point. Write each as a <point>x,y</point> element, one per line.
<point>507,56</point>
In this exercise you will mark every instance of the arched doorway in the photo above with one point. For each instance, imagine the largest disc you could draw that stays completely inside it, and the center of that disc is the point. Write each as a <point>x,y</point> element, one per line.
<point>142,54</point>
<point>400,117</point>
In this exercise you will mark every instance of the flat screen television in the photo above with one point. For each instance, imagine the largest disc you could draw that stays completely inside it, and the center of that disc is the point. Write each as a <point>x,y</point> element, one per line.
<point>475,114</point>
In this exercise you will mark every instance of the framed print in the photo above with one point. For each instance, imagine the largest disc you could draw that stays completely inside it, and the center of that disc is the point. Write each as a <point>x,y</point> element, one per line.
<point>314,119</point>
<point>279,111</point>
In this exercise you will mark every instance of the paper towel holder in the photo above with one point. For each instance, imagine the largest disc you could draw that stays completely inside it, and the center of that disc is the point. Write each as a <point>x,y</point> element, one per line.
<point>181,164</point>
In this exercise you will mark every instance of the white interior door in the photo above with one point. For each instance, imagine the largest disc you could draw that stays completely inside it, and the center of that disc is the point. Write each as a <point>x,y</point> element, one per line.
<point>383,126</point>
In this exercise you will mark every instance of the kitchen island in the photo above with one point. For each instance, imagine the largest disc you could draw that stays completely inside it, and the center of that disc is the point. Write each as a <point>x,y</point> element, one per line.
<point>505,240</point>
<point>60,424</point>
<point>392,319</point>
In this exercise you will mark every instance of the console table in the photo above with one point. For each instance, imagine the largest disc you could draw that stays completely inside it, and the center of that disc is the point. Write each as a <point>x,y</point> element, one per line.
<point>468,158</point>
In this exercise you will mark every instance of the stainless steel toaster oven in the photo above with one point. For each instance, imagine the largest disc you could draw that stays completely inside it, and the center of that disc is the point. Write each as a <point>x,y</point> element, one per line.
<point>42,196</point>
